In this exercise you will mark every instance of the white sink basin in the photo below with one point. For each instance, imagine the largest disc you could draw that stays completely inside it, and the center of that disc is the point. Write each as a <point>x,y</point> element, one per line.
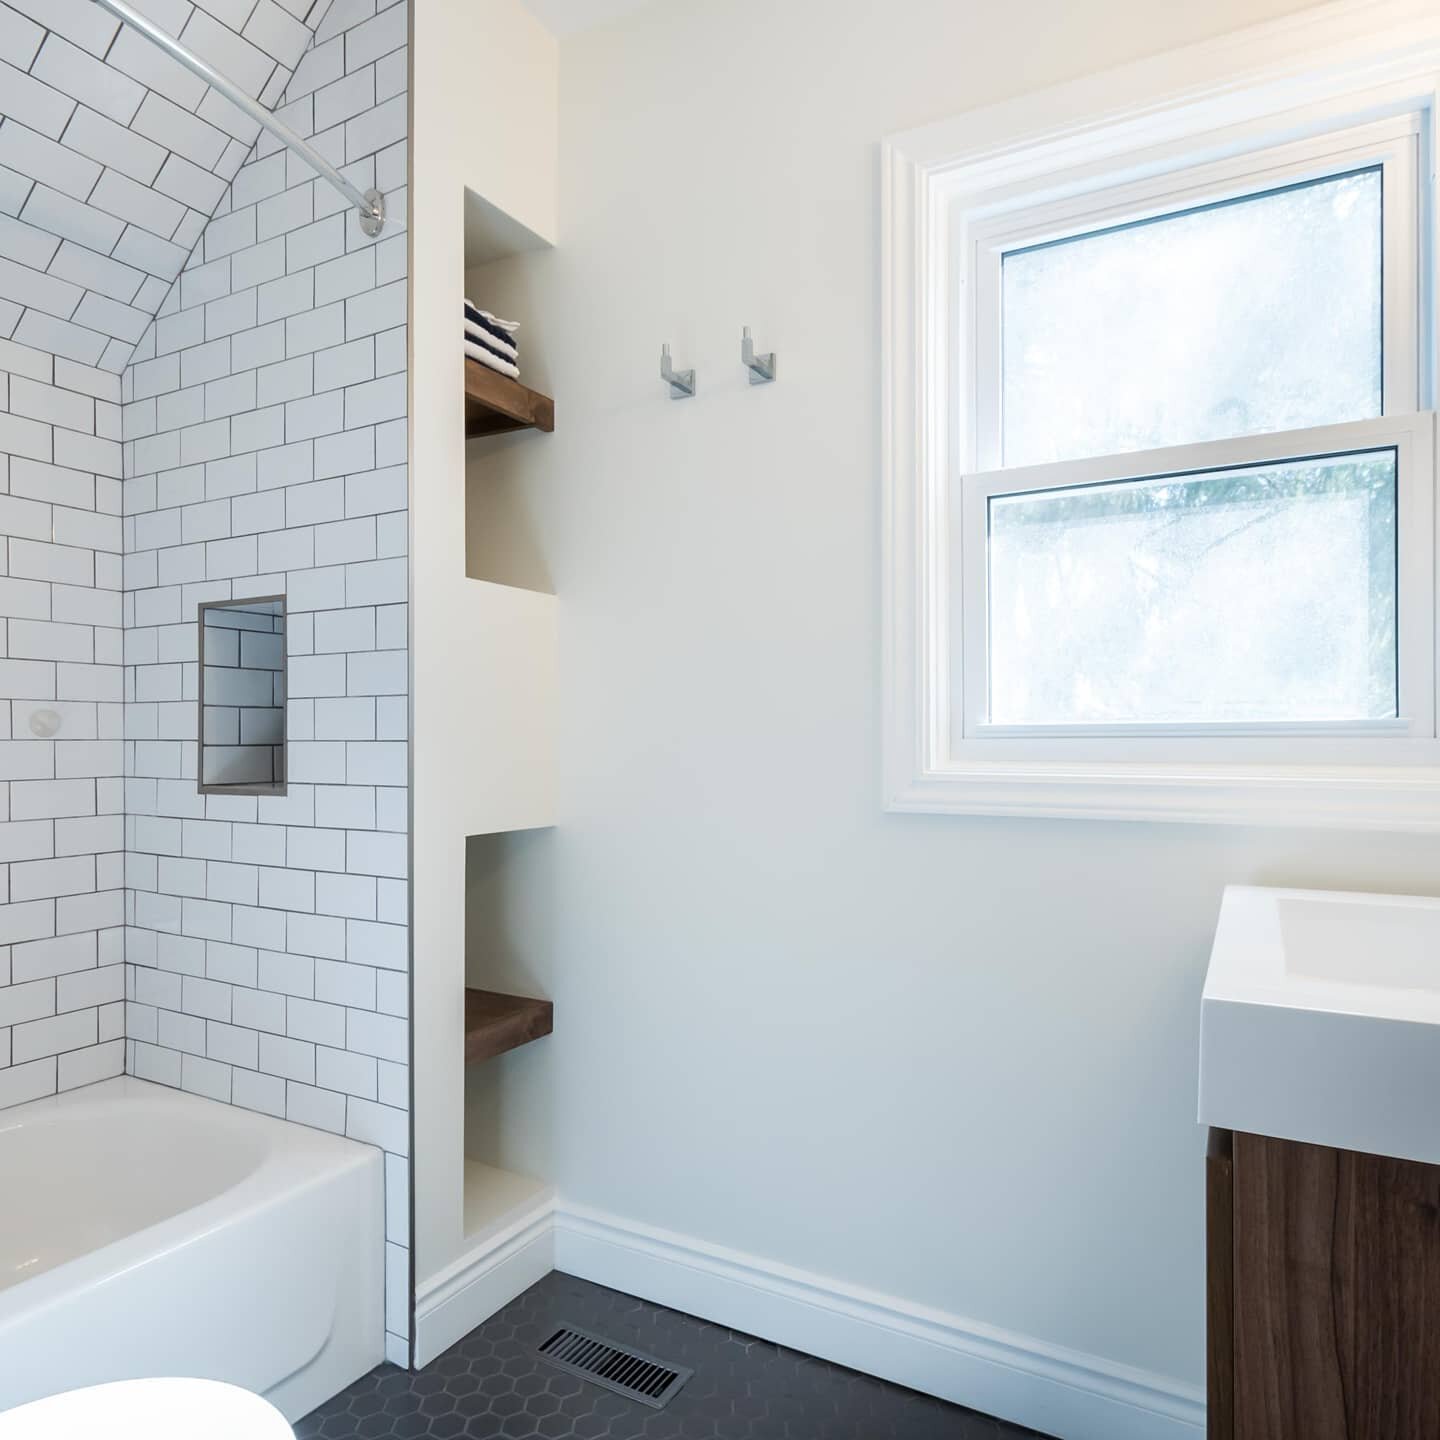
<point>1321,1020</point>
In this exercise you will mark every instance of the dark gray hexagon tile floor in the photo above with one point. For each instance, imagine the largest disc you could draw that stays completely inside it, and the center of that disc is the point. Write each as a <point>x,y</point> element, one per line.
<point>493,1386</point>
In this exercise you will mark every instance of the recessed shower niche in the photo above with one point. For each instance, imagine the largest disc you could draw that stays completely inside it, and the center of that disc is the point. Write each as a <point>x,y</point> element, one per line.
<point>242,696</point>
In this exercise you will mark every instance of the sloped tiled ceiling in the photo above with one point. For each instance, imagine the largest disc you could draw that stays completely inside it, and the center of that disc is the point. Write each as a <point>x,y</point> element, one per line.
<point>113,156</point>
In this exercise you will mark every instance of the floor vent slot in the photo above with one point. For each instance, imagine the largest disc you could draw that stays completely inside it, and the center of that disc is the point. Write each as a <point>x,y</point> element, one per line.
<point>627,1372</point>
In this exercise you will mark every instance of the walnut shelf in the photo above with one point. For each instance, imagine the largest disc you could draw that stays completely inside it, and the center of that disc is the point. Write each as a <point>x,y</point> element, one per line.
<point>495,1023</point>
<point>495,404</point>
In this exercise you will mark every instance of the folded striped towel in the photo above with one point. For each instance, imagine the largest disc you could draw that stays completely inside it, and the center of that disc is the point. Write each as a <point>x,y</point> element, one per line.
<point>500,329</point>
<point>511,326</point>
<point>490,358</point>
<point>506,349</point>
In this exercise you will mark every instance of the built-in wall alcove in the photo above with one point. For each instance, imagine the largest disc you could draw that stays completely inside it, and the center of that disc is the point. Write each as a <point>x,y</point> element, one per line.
<point>505,415</point>
<point>502,536</point>
<point>509,1071</point>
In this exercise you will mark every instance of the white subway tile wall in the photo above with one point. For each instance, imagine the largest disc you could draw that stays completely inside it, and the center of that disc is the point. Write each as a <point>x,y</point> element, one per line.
<point>264,430</point>
<point>62,823</point>
<point>113,156</point>
<point>250,949</point>
<point>265,446</point>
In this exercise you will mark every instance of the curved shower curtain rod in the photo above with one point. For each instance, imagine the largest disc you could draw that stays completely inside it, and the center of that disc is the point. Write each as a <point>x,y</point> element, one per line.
<point>370,203</point>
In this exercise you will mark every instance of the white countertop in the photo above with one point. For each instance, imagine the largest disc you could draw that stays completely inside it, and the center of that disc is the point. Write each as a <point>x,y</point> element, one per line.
<point>1320,1020</point>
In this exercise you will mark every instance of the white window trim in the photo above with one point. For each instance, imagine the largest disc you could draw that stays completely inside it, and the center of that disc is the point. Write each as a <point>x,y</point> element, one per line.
<point>1283,82</point>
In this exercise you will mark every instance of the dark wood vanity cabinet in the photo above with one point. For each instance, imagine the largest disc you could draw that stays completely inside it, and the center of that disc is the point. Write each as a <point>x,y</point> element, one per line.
<point>1322,1291</point>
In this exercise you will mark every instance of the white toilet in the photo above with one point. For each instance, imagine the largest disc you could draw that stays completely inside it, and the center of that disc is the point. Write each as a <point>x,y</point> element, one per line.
<point>148,1410</point>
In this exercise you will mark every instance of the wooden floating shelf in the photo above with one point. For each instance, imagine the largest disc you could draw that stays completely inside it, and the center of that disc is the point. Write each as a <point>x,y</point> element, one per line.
<point>495,404</point>
<point>495,1023</point>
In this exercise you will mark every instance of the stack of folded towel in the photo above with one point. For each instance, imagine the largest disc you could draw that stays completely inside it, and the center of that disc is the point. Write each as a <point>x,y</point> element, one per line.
<point>491,341</point>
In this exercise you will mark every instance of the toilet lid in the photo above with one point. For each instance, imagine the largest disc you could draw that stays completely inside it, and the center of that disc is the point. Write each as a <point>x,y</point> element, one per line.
<point>148,1410</point>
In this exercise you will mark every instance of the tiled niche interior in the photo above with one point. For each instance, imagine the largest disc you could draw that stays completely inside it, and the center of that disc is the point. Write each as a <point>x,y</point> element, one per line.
<point>242,695</point>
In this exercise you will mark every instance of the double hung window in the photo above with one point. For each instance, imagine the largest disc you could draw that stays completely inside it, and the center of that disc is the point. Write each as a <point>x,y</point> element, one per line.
<point>1200,504</point>
<point>1167,521</point>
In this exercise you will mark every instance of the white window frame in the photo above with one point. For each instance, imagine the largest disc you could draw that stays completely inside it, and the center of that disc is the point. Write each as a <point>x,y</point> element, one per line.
<point>1353,86</point>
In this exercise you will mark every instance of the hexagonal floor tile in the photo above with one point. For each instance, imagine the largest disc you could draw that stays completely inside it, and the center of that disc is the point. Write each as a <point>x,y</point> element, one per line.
<point>493,1386</point>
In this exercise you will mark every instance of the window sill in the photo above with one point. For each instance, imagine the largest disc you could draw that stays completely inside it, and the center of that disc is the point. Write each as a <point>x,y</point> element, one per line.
<point>1391,798</point>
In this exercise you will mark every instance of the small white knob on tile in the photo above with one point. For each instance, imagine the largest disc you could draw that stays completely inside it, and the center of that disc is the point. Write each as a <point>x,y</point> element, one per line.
<point>45,723</point>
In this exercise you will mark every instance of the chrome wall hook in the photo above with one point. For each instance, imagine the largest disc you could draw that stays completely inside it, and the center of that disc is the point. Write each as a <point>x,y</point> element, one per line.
<point>681,382</point>
<point>761,367</point>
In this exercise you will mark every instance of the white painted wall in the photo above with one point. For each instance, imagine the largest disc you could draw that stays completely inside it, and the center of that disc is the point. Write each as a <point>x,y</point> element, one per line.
<point>495,75</point>
<point>482,656</point>
<point>949,1059</point>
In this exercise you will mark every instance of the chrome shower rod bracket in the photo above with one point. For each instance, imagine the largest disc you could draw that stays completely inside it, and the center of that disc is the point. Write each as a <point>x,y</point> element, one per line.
<point>370,204</point>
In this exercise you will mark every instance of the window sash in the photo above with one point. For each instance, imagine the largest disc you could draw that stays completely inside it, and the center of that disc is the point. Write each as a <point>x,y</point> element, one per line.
<point>1410,435</point>
<point>1391,144</point>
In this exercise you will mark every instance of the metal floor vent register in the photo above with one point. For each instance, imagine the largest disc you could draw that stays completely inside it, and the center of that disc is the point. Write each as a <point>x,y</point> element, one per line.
<point>627,1372</point>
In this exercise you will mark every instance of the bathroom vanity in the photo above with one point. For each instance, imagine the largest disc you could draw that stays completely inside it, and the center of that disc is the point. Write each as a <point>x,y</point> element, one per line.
<point>1319,1080</point>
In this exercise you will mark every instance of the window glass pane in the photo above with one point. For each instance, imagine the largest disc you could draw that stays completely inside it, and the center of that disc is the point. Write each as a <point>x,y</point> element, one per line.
<point>1265,593</point>
<point>1254,315</point>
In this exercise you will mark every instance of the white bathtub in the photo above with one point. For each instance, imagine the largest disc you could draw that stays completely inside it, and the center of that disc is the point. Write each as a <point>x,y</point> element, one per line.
<point>147,1232</point>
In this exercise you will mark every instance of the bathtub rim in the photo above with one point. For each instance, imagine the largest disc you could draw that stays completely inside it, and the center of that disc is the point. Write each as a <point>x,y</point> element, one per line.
<point>296,1158</point>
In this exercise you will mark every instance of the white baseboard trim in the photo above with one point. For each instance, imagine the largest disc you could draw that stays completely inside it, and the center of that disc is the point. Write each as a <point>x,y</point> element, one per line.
<point>1059,1392</point>
<point>484,1280</point>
